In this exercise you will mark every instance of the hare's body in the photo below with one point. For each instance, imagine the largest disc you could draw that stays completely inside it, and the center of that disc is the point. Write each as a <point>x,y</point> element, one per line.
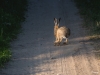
<point>60,33</point>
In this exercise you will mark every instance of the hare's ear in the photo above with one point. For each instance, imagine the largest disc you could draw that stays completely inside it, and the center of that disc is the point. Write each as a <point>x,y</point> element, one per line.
<point>55,20</point>
<point>59,19</point>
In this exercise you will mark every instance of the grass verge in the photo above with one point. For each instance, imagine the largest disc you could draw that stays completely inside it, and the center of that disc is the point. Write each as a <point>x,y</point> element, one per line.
<point>90,12</point>
<point>11,15</point>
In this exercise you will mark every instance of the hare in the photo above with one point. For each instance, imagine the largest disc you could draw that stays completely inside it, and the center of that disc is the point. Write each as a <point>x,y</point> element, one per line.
<point>60,32</point>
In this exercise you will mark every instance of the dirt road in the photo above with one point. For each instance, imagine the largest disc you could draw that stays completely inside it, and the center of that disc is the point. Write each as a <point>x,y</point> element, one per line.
<point>34,52</point>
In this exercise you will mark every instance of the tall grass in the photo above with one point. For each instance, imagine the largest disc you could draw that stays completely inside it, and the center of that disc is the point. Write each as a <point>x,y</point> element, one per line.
<point>90,12</point>
<point>11,15</point>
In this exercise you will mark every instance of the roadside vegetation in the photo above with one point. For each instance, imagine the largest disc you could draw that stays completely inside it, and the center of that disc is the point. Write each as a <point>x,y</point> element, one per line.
<point>11,15</point>
<point>90,12</point>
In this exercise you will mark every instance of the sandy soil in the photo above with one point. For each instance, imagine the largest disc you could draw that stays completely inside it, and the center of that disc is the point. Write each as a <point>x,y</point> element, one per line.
<point>34,52</point>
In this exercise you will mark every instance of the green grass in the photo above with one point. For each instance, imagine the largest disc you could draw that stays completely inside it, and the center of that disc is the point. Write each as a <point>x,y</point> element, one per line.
<point>11,15</point>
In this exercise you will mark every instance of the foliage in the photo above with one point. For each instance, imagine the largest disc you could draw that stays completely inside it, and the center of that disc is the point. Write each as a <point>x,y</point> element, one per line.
<point>90,11</point>
<point>11,15</point>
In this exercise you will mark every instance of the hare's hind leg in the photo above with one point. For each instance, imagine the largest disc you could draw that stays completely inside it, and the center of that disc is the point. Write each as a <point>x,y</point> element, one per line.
<point>66,42</point>
<point>60,40</point>
<point>57,42</point>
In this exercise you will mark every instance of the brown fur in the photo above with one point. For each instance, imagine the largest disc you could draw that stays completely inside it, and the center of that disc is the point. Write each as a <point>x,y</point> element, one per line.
<point>60,32</point>
<point>55,30</point>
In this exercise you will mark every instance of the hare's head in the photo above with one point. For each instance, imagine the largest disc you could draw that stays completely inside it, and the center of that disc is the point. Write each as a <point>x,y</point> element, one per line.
<point>56,22</point>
